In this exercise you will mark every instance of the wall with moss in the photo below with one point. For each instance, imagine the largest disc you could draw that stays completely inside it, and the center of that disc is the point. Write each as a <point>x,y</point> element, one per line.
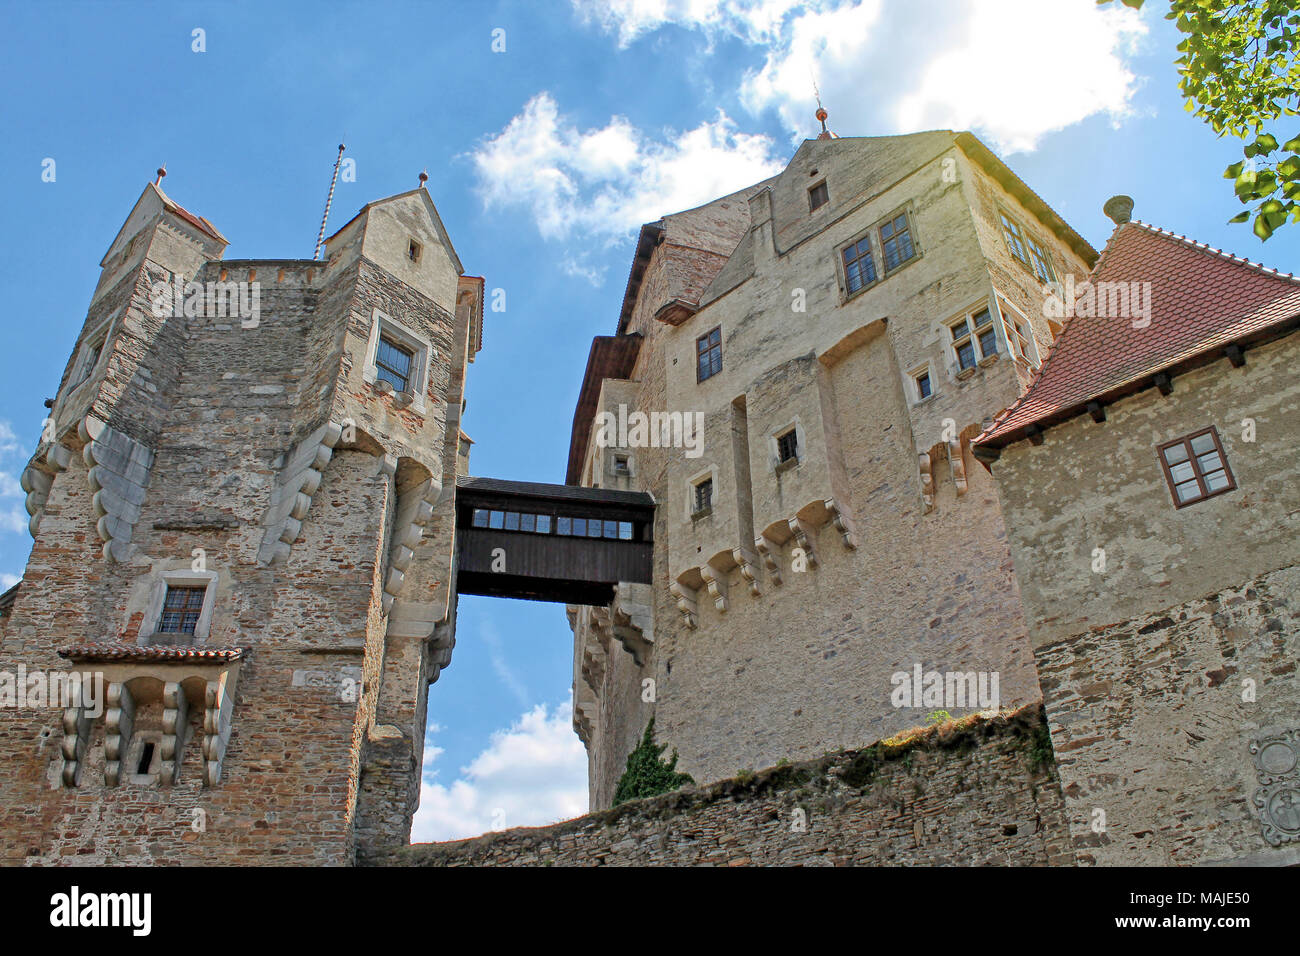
<point>976,791</point>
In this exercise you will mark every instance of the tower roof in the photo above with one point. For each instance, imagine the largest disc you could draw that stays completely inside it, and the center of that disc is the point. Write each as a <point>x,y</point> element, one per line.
<point>1200,301</point>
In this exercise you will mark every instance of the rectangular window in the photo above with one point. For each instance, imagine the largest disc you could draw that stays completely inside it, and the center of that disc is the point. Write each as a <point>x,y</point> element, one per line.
<point>708,350</point>
<point>393,364</point>
<point>704,495</point>
<point>181,609</point>
<point>621,466</point>
<point>512,521</point>
<point>1020,337</point>
<point>528,522</point>
<point>580,527</point>
<point>923,386</point>
<point>480,518</point>
<point>625,530</point>
<point>896,240</point>
<point>859,267</point>
<point>413,250</point>
<point>1196,467</point>
<point>818,196</point>
<point>973,339</point>
<point>1015,239</point>
<point>496,519</point>
<point>593,527</point>
<point>564,526</point>
<point>611,529</point>
<point>1039,261</point>
<point>787,446</point>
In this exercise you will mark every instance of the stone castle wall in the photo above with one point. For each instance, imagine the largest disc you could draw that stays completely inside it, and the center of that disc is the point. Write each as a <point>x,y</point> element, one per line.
<point>968,793</point>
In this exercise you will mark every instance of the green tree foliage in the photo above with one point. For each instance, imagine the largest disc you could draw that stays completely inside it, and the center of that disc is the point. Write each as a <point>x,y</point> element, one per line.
<point>647,773</point>
<point>1239,70</point>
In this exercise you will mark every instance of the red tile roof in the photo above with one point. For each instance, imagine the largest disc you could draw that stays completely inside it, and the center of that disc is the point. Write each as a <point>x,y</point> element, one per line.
<point>1201,300</point>
<point>136,652</point>
<point>198,222</point>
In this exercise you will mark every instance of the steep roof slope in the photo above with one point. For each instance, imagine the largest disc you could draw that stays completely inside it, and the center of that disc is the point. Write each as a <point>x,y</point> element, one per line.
<point>1201,301</point>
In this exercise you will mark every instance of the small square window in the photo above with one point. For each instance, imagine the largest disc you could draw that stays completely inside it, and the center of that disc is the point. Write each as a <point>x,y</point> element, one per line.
<point>859,267</point>
<point>1196,467</point>
<point>512,521</point>
<point>580,527</point>
<point>413,250</point>
<point>703,495</point>
<point>480,518</point>
<point>393,364</point>
<point>528,522</point>
<point>181,609</point>
<point>564,526</point>
<point>818,196</point>
<point>787,446</point>
<point>543,524</point>
<point>621,465</point>
<point>708,351</point>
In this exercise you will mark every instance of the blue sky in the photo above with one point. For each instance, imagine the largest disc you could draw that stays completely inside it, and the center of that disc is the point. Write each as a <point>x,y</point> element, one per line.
<point>543,159</point>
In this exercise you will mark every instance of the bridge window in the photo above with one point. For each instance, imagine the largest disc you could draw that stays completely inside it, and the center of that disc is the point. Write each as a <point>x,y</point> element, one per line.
<point>479,518</point>
<point>512,521</point>
<point>496,519</point>
<point>625,530</point>
<point>543,524</point>
<point>528,522</point>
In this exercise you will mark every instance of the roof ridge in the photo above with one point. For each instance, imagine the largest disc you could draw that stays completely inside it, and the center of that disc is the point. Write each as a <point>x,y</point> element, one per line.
<point>1220,253</point>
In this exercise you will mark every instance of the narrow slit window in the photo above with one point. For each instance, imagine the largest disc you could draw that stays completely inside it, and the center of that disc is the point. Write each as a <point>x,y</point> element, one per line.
<point>393,364</point>
<point>181,609</point>
<point>413,250</point>
<point>146,758</point>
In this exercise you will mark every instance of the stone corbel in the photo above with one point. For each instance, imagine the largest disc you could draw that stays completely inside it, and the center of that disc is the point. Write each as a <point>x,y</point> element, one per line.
<point>630,631</point>
<point>414,511</point>
<point>748,564</point>
<point>291,499</point>
<point>119,471</point>
<point>175,722</point>
<point>76,737</point>
<point>716,582</point>
<point>768,551</point>
<point>119,722</point>
<point>583,721</point>
<point>957,462</point>
<point>219,706</point>
<point>843,523</point>
<point>687,603</point>
<point>593,666</point>
<point>37,480</point>
<point>927,482</point>
<point>803,539</point>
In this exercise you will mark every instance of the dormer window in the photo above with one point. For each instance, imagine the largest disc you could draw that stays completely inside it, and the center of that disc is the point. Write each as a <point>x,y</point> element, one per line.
<point>413,250</point>
<point>818,196</point>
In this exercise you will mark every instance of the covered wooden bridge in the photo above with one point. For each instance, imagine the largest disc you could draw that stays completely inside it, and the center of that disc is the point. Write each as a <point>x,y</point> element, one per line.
<point>544,542</point>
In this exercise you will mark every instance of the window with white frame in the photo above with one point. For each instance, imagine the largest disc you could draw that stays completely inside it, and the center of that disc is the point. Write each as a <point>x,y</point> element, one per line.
<point>1015,239</point>
<point>398,357</point>
<point>974,339</point>
<point>1019,334</point>
<point>180,607</point>
<point>1040,263</point>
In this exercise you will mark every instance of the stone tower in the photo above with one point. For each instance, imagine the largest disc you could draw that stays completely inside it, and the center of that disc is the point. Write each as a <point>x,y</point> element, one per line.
<point>242,514</point>
<point>840,332</point>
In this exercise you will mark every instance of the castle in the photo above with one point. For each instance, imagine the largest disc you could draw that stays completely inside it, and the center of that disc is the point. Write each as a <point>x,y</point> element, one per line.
<point>896,448</point>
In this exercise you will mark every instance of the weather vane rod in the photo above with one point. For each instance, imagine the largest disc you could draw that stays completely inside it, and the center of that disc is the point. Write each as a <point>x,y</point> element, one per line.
<point>329,200</point>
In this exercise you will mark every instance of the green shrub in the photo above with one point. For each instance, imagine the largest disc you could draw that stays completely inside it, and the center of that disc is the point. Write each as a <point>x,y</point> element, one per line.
<point>647,773</point>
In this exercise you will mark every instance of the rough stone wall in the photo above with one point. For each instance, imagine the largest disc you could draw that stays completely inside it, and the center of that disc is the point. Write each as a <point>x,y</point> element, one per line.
<point>805,665</point>
<point>1159,669</point>
<point>216,416</point>
<point>967,796</point>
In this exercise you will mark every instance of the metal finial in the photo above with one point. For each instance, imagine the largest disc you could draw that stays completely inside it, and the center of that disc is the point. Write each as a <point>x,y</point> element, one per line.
<point>424,178</point>
<point>162,171</point>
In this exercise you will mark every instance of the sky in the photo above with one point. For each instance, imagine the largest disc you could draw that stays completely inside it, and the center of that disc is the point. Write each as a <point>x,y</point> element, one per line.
<point>550,130</point>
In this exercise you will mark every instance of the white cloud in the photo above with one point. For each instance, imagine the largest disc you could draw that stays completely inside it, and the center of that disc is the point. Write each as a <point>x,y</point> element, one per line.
<point>10,487</point>
<point>755,20</point>
<point>1013,70</point>
<point>14,519</point>
<point>8,440</point>
<point>532,773</point>
<point>603,183</point>
<point>8,580</point>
